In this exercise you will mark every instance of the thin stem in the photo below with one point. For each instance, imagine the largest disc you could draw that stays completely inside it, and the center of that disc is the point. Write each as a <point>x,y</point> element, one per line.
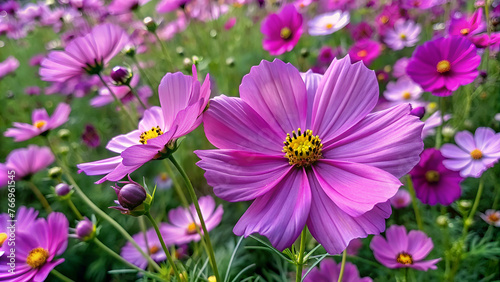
<point>117,101</point>
<point>136,95</point>
<point>192,193</point>
<point>40,197</point>
<point>300,261</point>
<point>60,276</point>
<point>143,73</point>
<point>163,48</point>
<point>439,133</point>
<point>121,259</point>
<point>165,249</point>
<point>468,220</point>
<point>74,209</point>
<point>414,202</point>
<point>342,267</point>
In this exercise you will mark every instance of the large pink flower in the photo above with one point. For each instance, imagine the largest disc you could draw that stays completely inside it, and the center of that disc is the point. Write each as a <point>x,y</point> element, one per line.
<point>282,31</point>
<point>308,150</point>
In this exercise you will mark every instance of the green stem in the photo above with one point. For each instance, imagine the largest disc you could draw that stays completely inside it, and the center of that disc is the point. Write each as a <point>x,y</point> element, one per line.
<point>121,259</point>
<point>439,133</point>
<point>60,276</point>
<point>414,202</point>
<point>342,267</point>
<point>74,209</point>
<point>165,249</point>
<point>192,193</point>
<point>143,73</point>
<point>300,260</point>
<point>163,48</point>
<point>40,197</point>
<point>468,220</point>
<point>136,96</point>
<point>117,101</point>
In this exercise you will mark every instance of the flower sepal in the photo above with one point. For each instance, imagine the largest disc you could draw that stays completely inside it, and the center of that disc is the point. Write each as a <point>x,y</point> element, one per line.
<point>133,198</point>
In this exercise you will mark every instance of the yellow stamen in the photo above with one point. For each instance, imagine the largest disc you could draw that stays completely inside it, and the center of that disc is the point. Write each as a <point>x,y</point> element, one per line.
<point>362,53</point>
<point>285,33</point>
<point>443,66</point>
<point>154,249</point>
<point>212,279</point>
<point>39,124</point>
<point>404,258</point>
<point>302,148</point>
<point>432,176</point>
<point>163,176</point>
<point>37,257</point>
<point>402,36</point>
<point>329,26</point>
<point>3,238</point>
<point>476,154</point>
<point>464,31</point>
<point>191,229</point>
<point>406,95</point>
<point>493,217</point>
<point>150,134</point>
<point>384,19</point>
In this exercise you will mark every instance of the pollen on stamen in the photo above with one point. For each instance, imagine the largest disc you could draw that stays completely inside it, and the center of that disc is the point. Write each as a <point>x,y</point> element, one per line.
<point>150,134</point>
<point>302,148</point>
<point>37,257</point>
<point>476,154</point>
<point>39,124</point>
<point>404,258</point>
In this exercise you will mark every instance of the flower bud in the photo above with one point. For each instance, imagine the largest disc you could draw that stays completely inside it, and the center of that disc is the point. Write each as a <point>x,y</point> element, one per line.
<point>62,189</point>
<point>85,230</point>
<point>418,112</point>
<point>64,134</point>
<point>129,51</point>
<point>150,24</point>
<point>230,62</point>
<point>304,52</point>
<point>442,220</point>
<point>448,131</point>
<point>131,196</point>
<point>121,75</point>
<point>55,172</point>
<point>465,204</point>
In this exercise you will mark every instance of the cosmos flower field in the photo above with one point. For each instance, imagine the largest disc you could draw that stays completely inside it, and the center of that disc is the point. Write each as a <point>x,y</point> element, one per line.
<point>250,140</point>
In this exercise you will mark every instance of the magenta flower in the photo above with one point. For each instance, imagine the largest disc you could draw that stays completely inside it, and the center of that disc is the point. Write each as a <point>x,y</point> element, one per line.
<point>403,249</point>
<point>365,50</point>
<point>418,4</point>
<point>329,271</point>
<point>9,65</point>
<point>328,23</point>
<point>402,199</point>
<point>25,162</point>
<point>444,64</point>
<point>87,54</point>
<point>90,137</point>
<point>35,255</point>
<point>433,182</point>
<point>467,27</point>
<point>474,154</point>
<point>25,217</point>
<point>405,34</point>
<point>182,229</point>
<point>125,6</point>
<point>42,123</point>
<point>153,246</point>
<point>166,6</point>
<point>491,217</point>
<point>183,100</point>
<point>282,31</point>
<point>280,144</point>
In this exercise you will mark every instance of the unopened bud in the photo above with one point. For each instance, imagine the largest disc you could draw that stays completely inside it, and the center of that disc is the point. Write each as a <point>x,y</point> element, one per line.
<point>62,189</point>
<point>55,172</point>
<point>121,75</point>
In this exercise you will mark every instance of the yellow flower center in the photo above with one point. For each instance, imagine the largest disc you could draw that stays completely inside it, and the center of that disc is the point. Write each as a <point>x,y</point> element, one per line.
<point>191,229</point>
<point>285,33</point>
<point>150,134</point>
<point>39,124</point>
<point>384,19</point>
<point>476,154</point>
<point>404,258</point>
<point>163,176</point>
<point>37,257</point>
<point>380,76</point>
<point>362,53</point>
<point>302,148</point>
<point>443,66</point>
<point>329,26</point>
<point>402,36</point>
<point>212,279</point>
<point>432,176</point>
<point>465,31</point>
<point>3,238</point>
<point>154,249</point>
<point>493,217</point>
<point>406,95</point>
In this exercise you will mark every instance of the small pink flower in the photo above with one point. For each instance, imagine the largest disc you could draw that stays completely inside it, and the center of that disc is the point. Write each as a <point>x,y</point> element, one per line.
<point>365,50</point>
<point>328,23</point>
<point>402,199</point>
<point>329,271</point>
<point>491,217</point>
<point>282,31</point>
<point>9,65</point>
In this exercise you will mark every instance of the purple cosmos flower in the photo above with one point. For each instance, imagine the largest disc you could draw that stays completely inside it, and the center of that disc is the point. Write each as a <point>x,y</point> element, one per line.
<point>25,217</point>
<point>433,182</point>
<point>404,90</point>
<point>41,123</point>
<point>405,34</point>
<point>90,137</point>
<point>32,90</point>
<point>280,144</point>
<point>440,66</point>
<point>365,50</point>
<point>153,247</point>
<point>282,31</point>
<point>354,246</point>
<point>25,162</point>
<point>399,69</point>
<point>125,6</point>
<point>183,100</point>
<point>9,65</point>
<point>418,4</point>
<point>474,154</point>
<point>35,255</point>
<point>182,229</point>
<point>329,271</point>
<point>387,17</point>
<point>163,181</point>
<point>467,27</point>
<point>87,54</point>
<point>491,217</point>
<point>402,199</point>
<point>363,30</point>
<point>403,249</point>
<point>328,23</point>
<point>166,6</point>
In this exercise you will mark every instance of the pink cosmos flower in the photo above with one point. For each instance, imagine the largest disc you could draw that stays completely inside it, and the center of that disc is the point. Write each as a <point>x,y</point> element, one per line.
<point>399,69</point>
<point>402,199</point>
<point>363,30</point>
<point>403,249</point>
<point>405,34</point>
<point>35,255</point>
<point>166,6</point>
<point>182,229</point>
<point>365,50</point>
<point>404,90</point>
<point>281,145</point>
<point>474,153</point>
<point>9,65</point>
<point>354,246</point>
<point>153,246</point>
<point>87,54</point>
<point>183,99</point>
<point>442,65</point>
<point>42,123</point>
<point>90,137</point>
<point>328,23</point>
<point>491,217</point>
<point>125,6</point>
<point>25,162</point>
<point>467,27</point>
<point>282,31</point>
<point>25,217</point>
<point>433,182</point>
<point>418,4</point>
<point>329,271</point>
